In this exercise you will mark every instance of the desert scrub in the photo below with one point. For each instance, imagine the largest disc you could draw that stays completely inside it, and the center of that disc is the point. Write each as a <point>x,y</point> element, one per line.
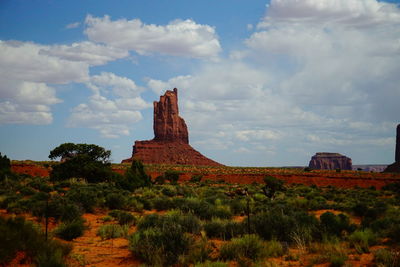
<point>70,230</point>
<point>361,240</point>
<point>331,252</point>
<point>188,222</point>
<point>247,247</point>
<point>109,231</point>
<point>385,257</point>
<point>160,246</point>
<point>123,217</point>
<point>212,264</point>
<point>223,229</point>
<point>18,235</point>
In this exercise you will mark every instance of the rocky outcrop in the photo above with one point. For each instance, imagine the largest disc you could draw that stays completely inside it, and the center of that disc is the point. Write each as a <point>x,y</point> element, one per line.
<point>395,167</point>
<point>171,138</point>
<point>168,125</point>
<point>330,161</point>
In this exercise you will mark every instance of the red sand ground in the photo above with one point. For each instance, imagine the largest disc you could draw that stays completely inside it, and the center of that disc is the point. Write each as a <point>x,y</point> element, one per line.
<point>344,179</point>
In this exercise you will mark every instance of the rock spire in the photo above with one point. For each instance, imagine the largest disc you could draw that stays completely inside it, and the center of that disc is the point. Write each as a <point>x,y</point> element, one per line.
<point>171,138</point>
<point>168,125</point>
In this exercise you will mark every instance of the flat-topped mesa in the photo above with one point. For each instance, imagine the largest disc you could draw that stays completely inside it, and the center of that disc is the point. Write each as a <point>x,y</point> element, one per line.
<point>171,139</point>
<point>168,125</point>
<point>330,161</point>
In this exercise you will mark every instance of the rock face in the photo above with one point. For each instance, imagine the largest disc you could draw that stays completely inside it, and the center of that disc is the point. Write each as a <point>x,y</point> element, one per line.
<point>330,161</point>
<point>171,139</point>
<point>168,125</point>
<point>395,167</point>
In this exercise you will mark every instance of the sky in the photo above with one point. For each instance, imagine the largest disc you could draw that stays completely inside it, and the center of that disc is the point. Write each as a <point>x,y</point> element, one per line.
<point>261,83</point>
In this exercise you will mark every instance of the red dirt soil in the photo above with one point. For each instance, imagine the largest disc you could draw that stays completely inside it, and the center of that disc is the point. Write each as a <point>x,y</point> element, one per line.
<point>344,179</point>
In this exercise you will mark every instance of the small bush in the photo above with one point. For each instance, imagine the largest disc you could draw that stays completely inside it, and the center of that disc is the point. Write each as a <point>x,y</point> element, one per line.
<point>18,235</point>
<point>335,224</point>
<point>224,229</point>
<point>196,178</point>
<point>273,248</point>
<point>212,264</point>
<point>110,231</point>
<point>247,247</point>
<point>160,246</point>
<point>386,257</point>
<point>70,230</point>
<point>115,201</point>
<point>361,240</point>
<point>123,217</point>
<point>172,176</point>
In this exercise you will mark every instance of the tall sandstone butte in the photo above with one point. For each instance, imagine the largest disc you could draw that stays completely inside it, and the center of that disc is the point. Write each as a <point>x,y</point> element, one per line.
<point>330,161</point>
<point>395,167</point>
<point>171,138</point>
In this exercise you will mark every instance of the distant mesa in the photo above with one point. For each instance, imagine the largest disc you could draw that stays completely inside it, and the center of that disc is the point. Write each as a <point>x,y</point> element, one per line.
<point>395,167</point>
<point>171,138</point>
<point>330,161</point>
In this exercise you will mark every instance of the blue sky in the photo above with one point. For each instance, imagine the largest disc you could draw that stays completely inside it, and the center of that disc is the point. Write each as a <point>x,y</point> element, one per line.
<point>261,83</point>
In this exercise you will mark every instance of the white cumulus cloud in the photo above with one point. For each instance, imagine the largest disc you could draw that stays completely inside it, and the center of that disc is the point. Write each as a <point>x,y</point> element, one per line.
<point>113,107</point>
<point>178,38</point>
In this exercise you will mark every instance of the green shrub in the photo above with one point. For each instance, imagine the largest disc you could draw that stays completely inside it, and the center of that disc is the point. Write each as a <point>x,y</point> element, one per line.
<point>246,247</point>
<point>223,229</point>
<point>386,257</point>
<point>5,167</point>
<point>123,217</point>
<point>169,191</point>
<point>172,176</point>
<point>188,222</point>
<point>196,178</point>
<point>361,240</point>
<point>134,204</point>
<point>115,201</point>
<point>135,177</point>
<point>335,224</point>
<point>212,264</point>
<point>109,231</point>
<point>273,249</point>
<point>279,224</point>
<point>199,251</point>
<point>70,230</point>
<point>162,203</point>
<point>18,235</point>
<point>160,246</point>
<point>84,196</point>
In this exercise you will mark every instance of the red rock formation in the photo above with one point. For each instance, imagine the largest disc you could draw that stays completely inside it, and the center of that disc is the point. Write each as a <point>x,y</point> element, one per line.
<point>330,161</point>
<point>171,139</point>
<point>168,125</point>
<point>395,167</point>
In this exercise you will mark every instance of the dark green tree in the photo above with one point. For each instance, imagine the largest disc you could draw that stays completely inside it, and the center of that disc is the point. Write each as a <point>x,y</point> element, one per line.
<point>90,162</point>
<point>5,167</point>
<point>134,177</point>
<point>272,185</point>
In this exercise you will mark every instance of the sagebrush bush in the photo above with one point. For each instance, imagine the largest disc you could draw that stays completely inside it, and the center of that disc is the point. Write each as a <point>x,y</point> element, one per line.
<point>361,240</point>
<point>246,247</point>
<point>223,229</point>
<point>18,235</point>
<point>115,201</point>
<point>123,217</point>
<point>109,231</point>
<point>386,257</point>
<point>160,246</point>
<point>70,230</point>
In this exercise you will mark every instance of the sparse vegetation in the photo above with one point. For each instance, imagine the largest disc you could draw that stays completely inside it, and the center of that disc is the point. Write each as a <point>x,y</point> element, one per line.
<point>207,223</point>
